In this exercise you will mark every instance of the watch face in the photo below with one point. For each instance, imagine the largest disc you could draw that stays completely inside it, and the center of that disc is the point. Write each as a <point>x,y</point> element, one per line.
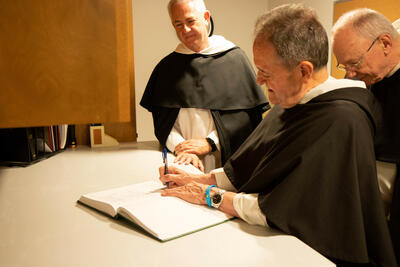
<point>216,198</point>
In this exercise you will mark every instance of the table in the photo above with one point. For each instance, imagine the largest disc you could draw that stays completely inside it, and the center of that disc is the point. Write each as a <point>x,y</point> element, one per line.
<point>42,225</point>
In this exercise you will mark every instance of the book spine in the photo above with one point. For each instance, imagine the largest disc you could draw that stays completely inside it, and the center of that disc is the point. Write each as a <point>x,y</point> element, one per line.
<point>31,144</point>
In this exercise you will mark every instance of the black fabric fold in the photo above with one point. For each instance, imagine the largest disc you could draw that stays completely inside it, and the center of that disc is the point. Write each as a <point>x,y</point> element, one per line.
<point>222,81</point>
<point>314,167</point>
<point>387,144</point>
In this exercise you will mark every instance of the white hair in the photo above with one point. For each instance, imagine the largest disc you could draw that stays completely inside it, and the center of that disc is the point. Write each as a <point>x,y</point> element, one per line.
<point>396,25</point>
<point>367,22</point>
<point>199,5</point>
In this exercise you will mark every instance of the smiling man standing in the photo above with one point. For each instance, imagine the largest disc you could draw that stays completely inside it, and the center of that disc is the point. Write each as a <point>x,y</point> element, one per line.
<point>203,96</point>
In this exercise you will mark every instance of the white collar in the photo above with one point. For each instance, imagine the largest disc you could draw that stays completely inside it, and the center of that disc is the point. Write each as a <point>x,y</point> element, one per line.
<point>329,85</point>
<point>217,44</point>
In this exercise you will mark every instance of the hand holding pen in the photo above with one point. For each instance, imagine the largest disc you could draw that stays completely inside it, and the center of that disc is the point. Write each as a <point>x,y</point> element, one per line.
<point>165,161</point>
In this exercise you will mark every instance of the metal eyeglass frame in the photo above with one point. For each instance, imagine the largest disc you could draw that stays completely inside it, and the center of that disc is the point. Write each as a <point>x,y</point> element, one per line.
<point>358,63</point>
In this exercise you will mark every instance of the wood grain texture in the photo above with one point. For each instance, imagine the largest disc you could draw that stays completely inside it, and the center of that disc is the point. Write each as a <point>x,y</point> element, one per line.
<point>66,61</point>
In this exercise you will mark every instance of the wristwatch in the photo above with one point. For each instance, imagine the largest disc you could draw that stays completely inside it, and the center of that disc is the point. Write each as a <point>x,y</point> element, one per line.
<point>212,144</point>
<point>217,198</point>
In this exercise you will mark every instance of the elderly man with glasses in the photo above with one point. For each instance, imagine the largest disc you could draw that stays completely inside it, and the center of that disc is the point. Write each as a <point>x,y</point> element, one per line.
<point>367,47</point>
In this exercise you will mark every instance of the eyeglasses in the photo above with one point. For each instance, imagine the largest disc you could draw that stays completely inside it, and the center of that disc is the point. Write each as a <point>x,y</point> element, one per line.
<point>358,63</point>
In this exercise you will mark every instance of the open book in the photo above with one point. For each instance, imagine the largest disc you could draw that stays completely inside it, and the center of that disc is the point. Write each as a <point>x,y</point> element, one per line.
<point>165,218</point>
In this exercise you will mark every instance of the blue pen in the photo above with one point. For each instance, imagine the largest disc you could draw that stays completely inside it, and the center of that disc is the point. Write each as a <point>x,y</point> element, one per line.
<point>165,161</point>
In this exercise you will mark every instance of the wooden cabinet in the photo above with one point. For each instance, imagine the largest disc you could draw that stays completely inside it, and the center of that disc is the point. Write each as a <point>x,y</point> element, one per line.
<point>66,61</point>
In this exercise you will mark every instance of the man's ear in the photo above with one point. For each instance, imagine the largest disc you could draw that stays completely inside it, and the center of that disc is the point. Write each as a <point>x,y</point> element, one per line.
<point>207,16</point>
<point>387,43</point>
<point>306,69</point>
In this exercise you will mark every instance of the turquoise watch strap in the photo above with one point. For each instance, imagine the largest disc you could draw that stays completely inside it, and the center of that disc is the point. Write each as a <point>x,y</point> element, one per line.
<point>208,195</point>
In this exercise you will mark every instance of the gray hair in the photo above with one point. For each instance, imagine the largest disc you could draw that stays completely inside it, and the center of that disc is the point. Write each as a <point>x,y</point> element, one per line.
<point>199,4</point>
<point>296,34</point>
<point>367,22</point>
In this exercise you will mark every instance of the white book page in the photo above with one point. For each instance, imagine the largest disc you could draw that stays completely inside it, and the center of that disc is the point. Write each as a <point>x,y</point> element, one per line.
<point>166,217</point>
<point>107,201</point>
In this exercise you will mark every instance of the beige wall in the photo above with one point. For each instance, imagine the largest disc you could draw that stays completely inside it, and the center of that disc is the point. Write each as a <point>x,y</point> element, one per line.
<point>324,10</point>
<point>154,37</point>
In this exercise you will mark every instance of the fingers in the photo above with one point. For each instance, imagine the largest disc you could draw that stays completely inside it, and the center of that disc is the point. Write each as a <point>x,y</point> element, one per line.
<point>174,180</point>
<point>193,146</point>
<point>181,147</point>
<point>171,169</point>
<point>187,159</point>
<point>197,163</point>
<point>161,171</point>
<point>183,158</point>
<point>169,178</point>
<point>189,149</point>
<point>169,192</point>
<point>201,166</point>
<point>192,192</point>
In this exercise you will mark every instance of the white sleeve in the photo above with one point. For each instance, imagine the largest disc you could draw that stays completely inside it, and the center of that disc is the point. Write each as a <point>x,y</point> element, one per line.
<point>174,138</point>
<point>246,205</point>
<point>222,180</point>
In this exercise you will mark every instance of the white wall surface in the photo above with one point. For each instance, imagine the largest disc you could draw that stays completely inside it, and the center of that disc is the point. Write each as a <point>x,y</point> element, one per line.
<point>154,37</point>
<point>324,9</point>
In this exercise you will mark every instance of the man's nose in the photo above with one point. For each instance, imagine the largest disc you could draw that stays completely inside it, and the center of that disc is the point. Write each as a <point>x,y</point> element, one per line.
<point>186,28</point>
<point>351,74</point>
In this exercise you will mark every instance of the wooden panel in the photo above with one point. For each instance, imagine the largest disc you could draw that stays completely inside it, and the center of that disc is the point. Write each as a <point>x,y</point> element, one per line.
<point>389,8</point>
<point>123,132</point>
<point>65,61</point>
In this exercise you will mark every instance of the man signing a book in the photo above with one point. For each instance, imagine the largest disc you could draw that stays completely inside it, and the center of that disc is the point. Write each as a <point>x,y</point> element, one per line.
<point>309,167</point>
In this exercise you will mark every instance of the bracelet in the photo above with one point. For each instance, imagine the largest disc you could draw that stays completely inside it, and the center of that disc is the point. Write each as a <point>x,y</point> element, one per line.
<point>208,195</point>
<point>212,144</point>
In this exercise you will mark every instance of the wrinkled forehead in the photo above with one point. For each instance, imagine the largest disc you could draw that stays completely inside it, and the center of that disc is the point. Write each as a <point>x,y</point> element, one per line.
<point>347,44</point>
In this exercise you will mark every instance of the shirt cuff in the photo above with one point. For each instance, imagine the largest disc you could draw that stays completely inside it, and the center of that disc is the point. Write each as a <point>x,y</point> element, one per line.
<point>246,206</point>
<point>222,180</point>
<point>174,138</point>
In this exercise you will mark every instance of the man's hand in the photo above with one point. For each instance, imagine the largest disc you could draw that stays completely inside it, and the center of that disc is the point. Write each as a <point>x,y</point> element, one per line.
<point>177,177</point>
<point>192,192</point>
<point>194,146</point>
<point>187,158</point>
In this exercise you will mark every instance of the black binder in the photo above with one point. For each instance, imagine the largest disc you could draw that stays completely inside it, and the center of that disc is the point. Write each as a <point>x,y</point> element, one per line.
<point>22,146</point>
